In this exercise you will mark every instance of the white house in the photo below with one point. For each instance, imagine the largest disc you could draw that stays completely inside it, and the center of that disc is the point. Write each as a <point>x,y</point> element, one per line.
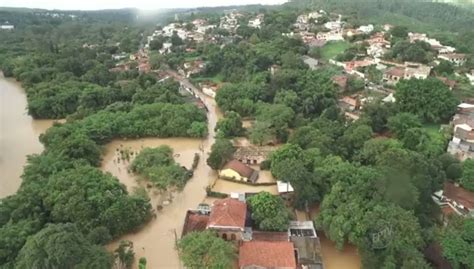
<point>366,29</point>
<point>455,58</point>
<point>7,27</point>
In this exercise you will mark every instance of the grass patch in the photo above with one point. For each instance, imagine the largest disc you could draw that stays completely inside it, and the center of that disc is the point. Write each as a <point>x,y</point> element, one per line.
<point>333,48</point>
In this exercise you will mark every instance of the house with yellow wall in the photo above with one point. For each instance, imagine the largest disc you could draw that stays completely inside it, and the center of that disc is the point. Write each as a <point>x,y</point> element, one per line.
<point>238,171</point>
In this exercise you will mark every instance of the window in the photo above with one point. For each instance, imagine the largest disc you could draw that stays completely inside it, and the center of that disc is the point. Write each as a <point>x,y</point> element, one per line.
<point>224,236</point>
<point>233,237</point>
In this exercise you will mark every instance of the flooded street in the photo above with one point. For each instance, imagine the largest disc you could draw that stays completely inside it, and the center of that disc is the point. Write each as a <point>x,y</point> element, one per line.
<point>156,240</point>
<point>18,135</point>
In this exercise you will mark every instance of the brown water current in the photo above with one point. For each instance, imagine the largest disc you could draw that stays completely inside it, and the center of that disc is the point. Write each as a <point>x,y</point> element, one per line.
<point>156,240</point>
<point>18,135</point>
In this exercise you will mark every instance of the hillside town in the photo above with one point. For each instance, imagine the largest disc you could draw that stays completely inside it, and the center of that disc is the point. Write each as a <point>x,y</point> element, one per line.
<point>244,138</point>
<point>231,217</point>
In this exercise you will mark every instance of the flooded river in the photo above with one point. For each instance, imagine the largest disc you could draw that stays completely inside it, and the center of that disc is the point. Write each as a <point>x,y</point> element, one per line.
<point>156,240</point>
<point>18,135</point>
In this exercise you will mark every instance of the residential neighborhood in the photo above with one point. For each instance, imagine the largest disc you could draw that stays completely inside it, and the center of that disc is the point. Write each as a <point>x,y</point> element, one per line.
<point>308,134</point>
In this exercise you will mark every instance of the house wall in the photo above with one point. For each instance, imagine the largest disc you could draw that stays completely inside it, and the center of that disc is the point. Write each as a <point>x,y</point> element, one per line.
<point>228,234</point>
<point>229,173</point>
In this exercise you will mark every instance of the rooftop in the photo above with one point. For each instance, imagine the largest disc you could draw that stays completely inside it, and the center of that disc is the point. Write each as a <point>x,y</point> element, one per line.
<point>194,221</point>
<point>228,213</point>
<point>267,254</point>
<point>240,168</point>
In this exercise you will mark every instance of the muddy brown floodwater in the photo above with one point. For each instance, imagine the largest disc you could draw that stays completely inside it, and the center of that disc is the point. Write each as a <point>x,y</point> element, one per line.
<point>156,240</point>
<point>18,135</point>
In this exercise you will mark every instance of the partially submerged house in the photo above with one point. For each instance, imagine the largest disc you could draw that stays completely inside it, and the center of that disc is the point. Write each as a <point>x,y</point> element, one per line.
<point>252,154</point>
<point>238,171</point>
<point>228,218</point>
<point>306,243</point>
<point>267,254</point>
<point>455,199</point>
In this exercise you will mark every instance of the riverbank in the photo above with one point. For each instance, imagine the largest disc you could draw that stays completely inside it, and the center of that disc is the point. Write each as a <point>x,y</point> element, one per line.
<point>19,134</point>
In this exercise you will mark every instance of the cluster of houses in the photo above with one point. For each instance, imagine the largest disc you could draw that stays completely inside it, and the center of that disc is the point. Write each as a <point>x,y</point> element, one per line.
<point>126,61</point>
<point>454,199</point>
<point>230,219</point>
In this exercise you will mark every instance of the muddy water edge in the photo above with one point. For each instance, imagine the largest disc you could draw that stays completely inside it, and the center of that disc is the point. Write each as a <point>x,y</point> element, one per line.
<point>157,239</point>
<point>18,135</point>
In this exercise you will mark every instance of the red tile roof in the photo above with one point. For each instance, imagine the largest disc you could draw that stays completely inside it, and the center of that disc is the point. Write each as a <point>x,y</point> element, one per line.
<point>194,222</point>
<point>395,71</point>
<point>459,194</point>
<point>267,254</point>
<point>228,213</point>
<point>240,168</point>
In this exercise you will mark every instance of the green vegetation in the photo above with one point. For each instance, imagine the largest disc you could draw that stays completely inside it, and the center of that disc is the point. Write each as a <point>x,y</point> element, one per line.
<point>430,99</point>
<point>269,212</point>
<point>158,166</point>
<point>221,152</point>
<point>206,250</point>
<point>333,48</point>
<point>457,243</point>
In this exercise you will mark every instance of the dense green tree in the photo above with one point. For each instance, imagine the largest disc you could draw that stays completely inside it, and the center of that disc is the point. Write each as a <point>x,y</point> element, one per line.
<point>444,68</point>
<point>429,99</point>
<point>230,125</point>
<point>221,153</point>
<point>467,178</point>
<point>458,244</point>
<point>269,212</point>
<point>400,123</point>
<point>158,166</point>
<point>206,250</point>
<point>61,246</point>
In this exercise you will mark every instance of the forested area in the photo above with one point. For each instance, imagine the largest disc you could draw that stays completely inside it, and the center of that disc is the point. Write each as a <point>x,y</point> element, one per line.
<point>372,178</point>
<point>66,208</point>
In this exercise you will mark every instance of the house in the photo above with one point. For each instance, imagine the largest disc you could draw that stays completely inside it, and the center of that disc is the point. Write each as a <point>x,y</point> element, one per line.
<point>256,22</point>
<point>393,75</point>
<point>462,143</point>
<point>253,154</point>
<point>366,29</point>
<point>316,43</point>
<point>238,171</point>
<point>227,218</point>
<point>387,27</point>
<point>311,62</point>
<point>267,254</point>
<point>415,70</point>
<point>330,36</point>
<point>350,103</point>
<point>376,50</point>
<point>333,25</point>
<point>195,221</point>
<point>306,243</point>
<point>455,58</point>
<point>7,27</point>
<point>455,199</point>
